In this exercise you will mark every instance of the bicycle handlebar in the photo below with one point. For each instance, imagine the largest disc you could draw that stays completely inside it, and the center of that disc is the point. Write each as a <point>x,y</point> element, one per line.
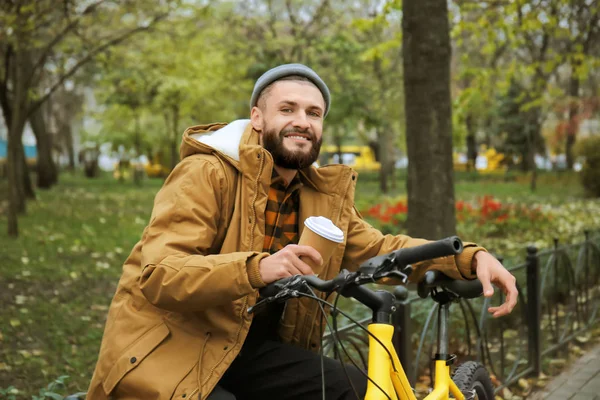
<point>382,266</point>
<point>400,259</point>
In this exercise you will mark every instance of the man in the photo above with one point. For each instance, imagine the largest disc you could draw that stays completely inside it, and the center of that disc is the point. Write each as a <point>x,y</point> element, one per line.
<point>224,225</point>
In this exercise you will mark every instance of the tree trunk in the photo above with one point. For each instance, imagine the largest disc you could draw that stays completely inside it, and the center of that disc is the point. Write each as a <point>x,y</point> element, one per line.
<point>430,182</point>
<point>67,133</point>
<point>28,191</point>
<point>471,144</point>
<point>14,161</point>
<point>573,126</point>
<point>47,173</point>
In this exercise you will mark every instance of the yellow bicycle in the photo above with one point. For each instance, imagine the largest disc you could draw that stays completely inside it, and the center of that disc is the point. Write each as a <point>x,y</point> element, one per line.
<point>386,377</point>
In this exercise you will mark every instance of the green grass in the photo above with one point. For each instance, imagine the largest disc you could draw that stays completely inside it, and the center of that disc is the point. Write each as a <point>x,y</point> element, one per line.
<point>58,277</point>
<point>553,187</point>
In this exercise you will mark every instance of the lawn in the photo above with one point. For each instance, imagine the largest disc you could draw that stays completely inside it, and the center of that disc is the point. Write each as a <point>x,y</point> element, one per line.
<point>57,278</point>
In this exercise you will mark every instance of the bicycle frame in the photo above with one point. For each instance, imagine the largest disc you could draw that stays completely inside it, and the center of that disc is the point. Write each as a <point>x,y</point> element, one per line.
<point>394,382</point>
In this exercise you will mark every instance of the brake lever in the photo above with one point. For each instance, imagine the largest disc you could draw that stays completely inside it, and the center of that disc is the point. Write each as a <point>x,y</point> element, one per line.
<point>394,274</point>
<point>260,304</point>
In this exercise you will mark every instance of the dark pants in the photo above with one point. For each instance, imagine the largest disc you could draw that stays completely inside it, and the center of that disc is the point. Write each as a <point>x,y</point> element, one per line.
<point>269,369</point>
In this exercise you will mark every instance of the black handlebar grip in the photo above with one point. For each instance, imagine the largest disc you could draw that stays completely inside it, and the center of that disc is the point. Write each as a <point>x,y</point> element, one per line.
<point>465,289</point>
<point>468,289</point>
<point>440,248</point>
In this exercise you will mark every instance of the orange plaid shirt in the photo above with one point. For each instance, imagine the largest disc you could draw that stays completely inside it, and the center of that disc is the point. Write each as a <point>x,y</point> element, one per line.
<point>281,229</point>
<point>281,213</point>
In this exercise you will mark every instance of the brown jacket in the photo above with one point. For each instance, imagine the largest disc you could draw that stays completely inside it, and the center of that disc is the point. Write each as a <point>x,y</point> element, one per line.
<point>179,315</point>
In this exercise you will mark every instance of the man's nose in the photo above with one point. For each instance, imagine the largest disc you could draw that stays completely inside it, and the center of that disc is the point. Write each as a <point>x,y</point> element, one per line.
<point>301,120</point>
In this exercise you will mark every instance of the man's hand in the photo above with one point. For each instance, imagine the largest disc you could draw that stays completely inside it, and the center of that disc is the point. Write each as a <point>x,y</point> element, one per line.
<point>489,270</point>
<point>286,262</point>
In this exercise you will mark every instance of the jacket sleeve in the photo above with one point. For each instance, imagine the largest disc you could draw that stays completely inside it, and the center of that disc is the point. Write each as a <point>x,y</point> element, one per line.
<point>180,270</point>
<point>364,242</point>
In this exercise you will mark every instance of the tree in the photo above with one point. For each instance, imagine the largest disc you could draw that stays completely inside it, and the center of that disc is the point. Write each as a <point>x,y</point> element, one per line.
<point>427,53</point>
<point>45,45</point>
<point>584,27</point>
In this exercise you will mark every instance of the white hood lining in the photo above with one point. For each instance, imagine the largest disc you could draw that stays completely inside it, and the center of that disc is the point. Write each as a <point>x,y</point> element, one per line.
<point>227,139</point>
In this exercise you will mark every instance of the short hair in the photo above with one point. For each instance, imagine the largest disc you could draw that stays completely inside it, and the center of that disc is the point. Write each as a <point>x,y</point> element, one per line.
<point>260,102</point>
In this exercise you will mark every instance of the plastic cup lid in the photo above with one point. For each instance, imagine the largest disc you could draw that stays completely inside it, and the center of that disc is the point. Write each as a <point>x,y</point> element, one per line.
<point>324,227</point>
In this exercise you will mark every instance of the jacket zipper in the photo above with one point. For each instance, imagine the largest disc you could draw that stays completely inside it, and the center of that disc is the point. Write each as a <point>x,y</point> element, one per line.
<point>260,170</point>
<point>244,306</point>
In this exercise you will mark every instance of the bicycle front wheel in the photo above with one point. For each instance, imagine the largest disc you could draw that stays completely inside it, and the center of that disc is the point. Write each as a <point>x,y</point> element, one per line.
<point>474,381</point>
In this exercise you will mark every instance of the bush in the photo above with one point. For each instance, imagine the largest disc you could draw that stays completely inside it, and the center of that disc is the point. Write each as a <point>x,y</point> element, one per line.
<point>589,150</point>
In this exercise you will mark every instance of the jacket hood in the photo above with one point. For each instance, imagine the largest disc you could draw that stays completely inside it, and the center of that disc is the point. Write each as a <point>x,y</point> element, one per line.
<point>222,138</point>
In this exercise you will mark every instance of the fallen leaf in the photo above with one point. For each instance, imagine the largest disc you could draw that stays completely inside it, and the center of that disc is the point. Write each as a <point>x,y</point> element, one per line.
<point>24,353</point>
<point>524,384</point>
<point>583,339</point>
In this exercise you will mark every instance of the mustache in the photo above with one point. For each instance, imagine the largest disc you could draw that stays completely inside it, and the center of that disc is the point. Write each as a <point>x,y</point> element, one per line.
<point>296,130</point>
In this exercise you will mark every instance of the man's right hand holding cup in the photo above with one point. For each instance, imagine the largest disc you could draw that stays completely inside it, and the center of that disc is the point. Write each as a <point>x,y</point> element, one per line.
<point>286,262</point>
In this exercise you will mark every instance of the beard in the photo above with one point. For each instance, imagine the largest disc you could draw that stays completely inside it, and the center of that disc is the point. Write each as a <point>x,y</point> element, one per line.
<point>290,159</point>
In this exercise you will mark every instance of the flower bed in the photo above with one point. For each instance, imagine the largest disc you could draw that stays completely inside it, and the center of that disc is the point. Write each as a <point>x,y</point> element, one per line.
<point>504,227</point>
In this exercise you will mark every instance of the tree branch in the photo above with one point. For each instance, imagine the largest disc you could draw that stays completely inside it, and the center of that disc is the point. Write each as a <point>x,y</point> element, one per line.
<point>592,31</point>
<point>89,57</point>
<point>272,19</point>
<point>61,35</point>
<point>317,16</point>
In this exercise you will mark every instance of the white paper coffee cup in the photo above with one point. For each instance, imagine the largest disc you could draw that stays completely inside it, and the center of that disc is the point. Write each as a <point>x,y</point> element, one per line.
<point>322,235</point>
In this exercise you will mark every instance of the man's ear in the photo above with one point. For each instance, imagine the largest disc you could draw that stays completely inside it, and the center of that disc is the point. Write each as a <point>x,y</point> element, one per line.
<point>256,119</point>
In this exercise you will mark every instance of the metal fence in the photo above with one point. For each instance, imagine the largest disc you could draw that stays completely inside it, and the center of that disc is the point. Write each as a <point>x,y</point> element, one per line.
<point>559,300</point>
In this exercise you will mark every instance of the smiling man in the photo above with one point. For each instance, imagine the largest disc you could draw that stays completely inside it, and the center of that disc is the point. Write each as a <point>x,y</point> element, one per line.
<point>225,224</point>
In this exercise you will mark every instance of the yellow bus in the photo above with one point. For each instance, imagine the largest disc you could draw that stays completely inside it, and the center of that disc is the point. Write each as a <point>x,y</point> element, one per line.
<point>361,158</point>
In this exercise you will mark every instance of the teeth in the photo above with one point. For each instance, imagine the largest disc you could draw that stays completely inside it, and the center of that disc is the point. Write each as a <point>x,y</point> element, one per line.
<point>297,137</point>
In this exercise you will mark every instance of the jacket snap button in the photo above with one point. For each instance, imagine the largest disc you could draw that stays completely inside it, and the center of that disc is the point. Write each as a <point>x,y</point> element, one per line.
<point>183,395</point>
<point>133,360</point>
<point>353,177</point>
<point>313,345</point>
<point>225,348</point>
<point>258,156</point>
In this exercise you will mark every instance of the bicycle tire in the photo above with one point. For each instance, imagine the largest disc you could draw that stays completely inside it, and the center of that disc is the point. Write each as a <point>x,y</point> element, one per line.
<point>473,376</point>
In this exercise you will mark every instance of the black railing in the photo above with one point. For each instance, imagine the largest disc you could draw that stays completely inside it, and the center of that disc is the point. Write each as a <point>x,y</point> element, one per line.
<point>559,300</point>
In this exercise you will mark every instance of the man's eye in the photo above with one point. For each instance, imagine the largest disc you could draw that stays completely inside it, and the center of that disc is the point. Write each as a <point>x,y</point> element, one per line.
<point>286,110</point>
<point>314,114</point>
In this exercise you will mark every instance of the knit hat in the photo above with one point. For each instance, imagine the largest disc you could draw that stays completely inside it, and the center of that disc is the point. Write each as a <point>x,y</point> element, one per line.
<point>284,70</point>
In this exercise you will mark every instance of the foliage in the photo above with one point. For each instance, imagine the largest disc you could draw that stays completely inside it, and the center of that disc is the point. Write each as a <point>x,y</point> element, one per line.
<point>47,393</point>
<point>487,217</point>
<point>589,149</point>
<point>517,126</point>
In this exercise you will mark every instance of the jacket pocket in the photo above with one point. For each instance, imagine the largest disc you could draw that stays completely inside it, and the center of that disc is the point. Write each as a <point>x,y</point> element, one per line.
<point>134,355</point>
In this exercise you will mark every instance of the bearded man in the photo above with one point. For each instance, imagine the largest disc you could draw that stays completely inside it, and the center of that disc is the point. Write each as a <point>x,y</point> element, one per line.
<point>225,224</point>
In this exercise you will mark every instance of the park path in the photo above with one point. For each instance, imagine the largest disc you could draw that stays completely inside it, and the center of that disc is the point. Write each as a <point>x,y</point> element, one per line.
<point>580,382</point>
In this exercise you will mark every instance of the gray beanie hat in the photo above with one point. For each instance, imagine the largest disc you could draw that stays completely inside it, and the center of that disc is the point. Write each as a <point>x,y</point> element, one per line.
<point>284,70</point>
